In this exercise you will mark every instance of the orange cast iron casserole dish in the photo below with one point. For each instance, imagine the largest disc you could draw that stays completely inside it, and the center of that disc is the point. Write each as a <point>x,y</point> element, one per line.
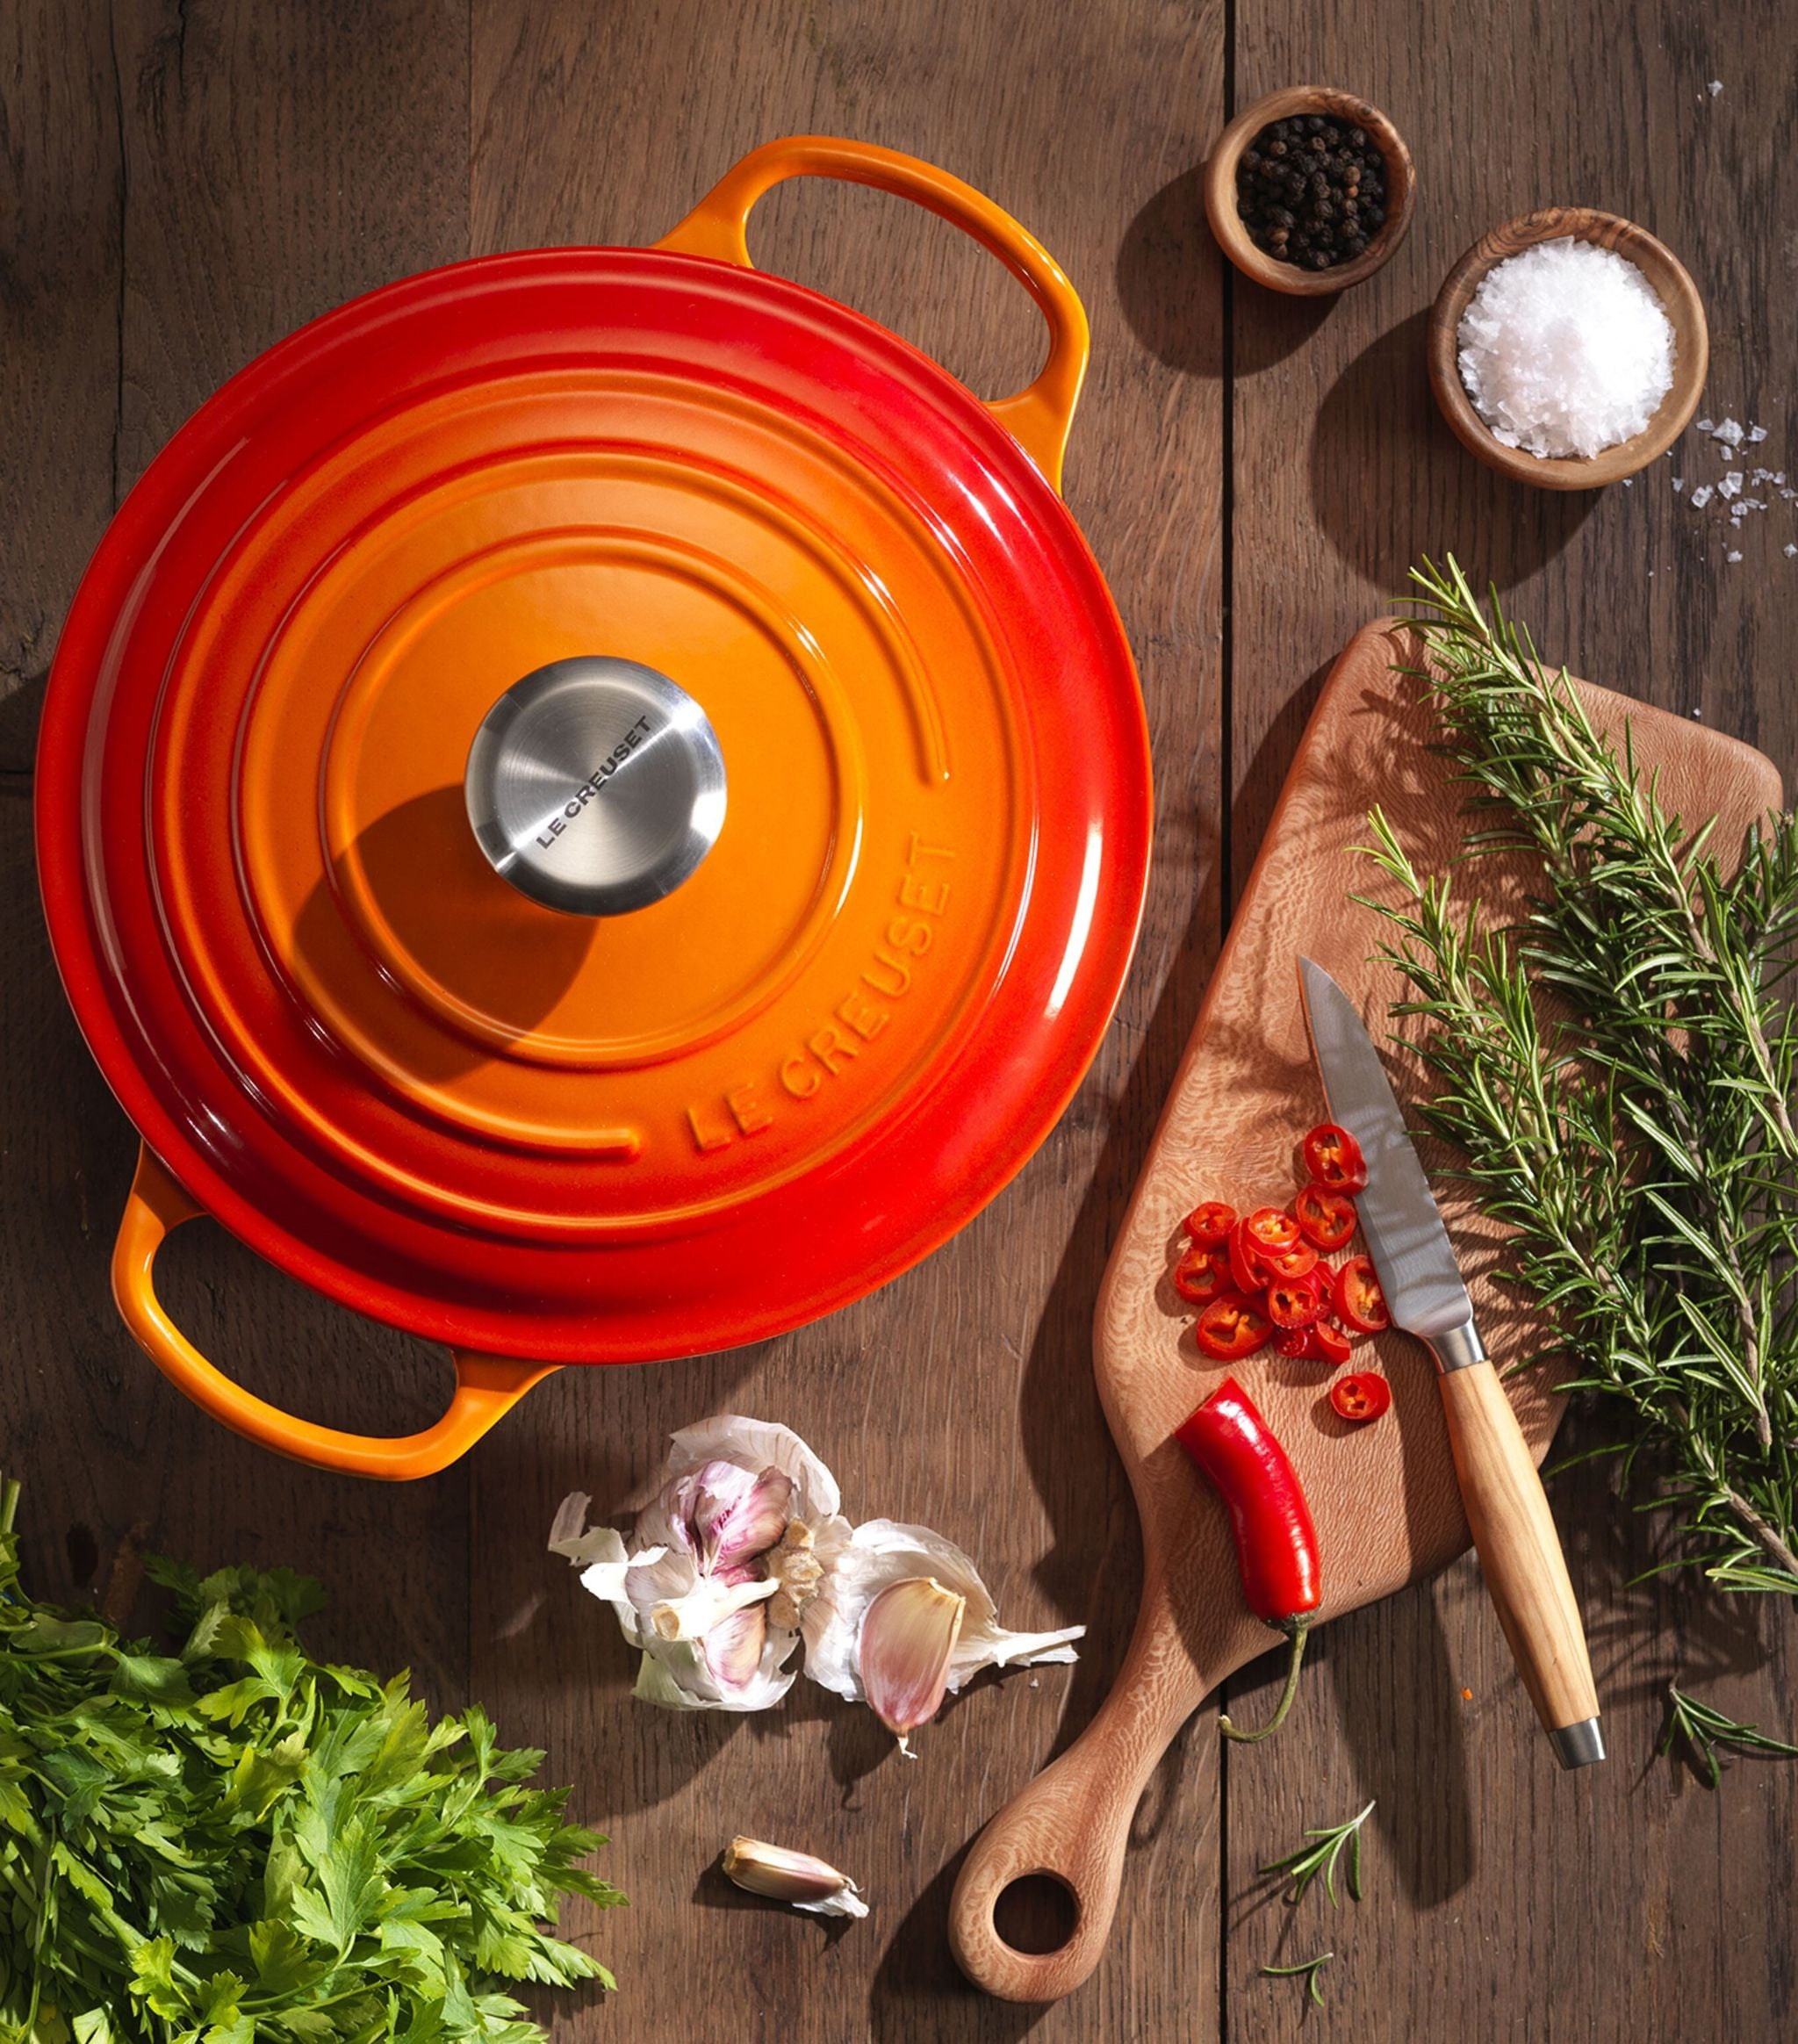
<point>807,942</point>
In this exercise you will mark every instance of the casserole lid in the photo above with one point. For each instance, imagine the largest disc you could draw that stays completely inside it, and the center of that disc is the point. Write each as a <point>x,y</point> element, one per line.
<point>594,804</point>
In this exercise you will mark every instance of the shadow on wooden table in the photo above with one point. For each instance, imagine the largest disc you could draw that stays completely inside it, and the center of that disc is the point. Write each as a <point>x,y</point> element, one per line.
<point>916,1971</point>
<point>1380,441</point>
<point>1168,265</point>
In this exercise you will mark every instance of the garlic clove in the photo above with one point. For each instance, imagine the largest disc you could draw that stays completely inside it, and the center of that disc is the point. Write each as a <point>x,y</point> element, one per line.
<point>755,1445</point>
<point>798,1878</point>
<point>734,1646</point>
<point>908,1640</point>
<point>881,1552</point>
<point>739,1517</point>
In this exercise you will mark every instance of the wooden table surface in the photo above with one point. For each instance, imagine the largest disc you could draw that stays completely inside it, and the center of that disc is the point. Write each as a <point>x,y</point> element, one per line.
<point>183,180</point>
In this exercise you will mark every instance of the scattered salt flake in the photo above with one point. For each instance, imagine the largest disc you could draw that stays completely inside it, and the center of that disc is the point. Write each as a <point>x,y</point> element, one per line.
<point>1565,349</point>
<point>1628,482</point>
<point>1678,482</point>
<point>1701,496</point>
<point>1714,87</point>
<point>1730,431</point>
<point>1756,435</point>
<point>1730,484</point>
<point>1791,550</point>
<point>1706,425</point>
<point>1732,557</point>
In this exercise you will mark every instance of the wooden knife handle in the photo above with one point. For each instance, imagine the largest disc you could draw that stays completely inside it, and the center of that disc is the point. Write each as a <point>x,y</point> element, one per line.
<point>1520,1557</point>
<point>1072,1824</point>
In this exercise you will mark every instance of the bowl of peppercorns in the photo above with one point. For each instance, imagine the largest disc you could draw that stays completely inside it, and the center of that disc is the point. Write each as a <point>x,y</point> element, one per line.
<point>1309,190</point>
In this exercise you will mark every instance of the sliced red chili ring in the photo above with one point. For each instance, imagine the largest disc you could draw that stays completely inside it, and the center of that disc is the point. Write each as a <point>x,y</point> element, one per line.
<point>1271,1228</point>
<point>1359,1300</point>
<point>1333,1158</point>
<point>1210,1222</point>
<point>1202,1275</point>
<point>1326,1218</point>
<point>1247,1265</point>
<point>1297,1261</point>
<point>1361,1395</point>
<point>1293,1302</point>
<point>1233,1327</point>
<point>1318,1343</point>
<point>1327,1344</point>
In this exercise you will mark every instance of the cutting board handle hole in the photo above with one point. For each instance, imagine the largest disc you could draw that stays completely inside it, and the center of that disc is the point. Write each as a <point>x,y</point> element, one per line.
<point>1037,1913</point>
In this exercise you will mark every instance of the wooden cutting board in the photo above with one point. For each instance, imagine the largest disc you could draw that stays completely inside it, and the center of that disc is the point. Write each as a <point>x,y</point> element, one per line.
<point>1384,1496</point>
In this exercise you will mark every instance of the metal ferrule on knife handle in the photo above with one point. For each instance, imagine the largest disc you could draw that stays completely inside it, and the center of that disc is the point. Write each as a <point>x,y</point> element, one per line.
<point>1507,1511</point>
<point>1460,1349</point>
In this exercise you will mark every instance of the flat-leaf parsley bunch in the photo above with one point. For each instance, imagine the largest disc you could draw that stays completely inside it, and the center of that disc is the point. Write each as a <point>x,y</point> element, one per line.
<point>237,1842</point>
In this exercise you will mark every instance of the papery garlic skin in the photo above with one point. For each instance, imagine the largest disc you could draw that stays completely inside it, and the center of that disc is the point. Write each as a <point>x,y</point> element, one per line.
<point>882,1555</point>
<point>797,1878</point>
<point>723,1561</point>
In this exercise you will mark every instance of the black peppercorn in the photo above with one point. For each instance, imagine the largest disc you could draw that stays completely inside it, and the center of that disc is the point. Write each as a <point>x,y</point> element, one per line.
<point>1310,190</point>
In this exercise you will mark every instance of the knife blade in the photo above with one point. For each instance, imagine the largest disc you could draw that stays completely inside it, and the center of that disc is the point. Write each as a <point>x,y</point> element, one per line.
<point>1519,1552</point>
<point>1411,1250</point>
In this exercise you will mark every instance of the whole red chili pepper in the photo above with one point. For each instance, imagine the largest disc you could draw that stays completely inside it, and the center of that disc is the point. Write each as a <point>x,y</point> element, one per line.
<point>1276,1542</point>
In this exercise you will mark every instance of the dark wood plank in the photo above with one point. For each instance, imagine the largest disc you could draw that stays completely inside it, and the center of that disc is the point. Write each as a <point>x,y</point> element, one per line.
<point>271,162</point>
<point>1505,1901</point>
<point>59,269</point>
<point>962,1396</point>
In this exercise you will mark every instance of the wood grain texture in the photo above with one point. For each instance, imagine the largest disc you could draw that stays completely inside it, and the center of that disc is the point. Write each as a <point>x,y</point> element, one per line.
<point>962,1396</point>
<point>181,181</point>
<point>1385,1498</point>
<point>1505,1901</point>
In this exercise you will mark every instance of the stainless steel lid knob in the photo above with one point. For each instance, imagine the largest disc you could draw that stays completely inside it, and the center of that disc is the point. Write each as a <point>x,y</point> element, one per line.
<point>596,786</point>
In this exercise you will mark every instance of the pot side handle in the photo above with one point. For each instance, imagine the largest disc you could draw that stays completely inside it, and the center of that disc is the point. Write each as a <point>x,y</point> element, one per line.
<point>486,1387</point>
<point>1038,417</point>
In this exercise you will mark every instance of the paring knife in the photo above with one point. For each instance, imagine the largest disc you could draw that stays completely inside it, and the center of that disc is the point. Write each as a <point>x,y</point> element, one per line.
<point>1519,1552</point>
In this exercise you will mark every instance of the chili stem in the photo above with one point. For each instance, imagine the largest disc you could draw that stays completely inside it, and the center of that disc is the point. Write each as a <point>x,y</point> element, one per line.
<point>1301,1632</point>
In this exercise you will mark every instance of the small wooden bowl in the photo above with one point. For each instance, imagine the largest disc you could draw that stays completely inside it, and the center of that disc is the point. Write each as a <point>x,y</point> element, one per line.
<point>1220,190</point>
<point>1679,300</point>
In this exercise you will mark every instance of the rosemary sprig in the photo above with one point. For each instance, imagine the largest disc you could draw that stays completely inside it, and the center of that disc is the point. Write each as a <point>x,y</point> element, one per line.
<point>1616,1071</point>
<point>1704,1730</point>
<point>1309,1969</point>
<point>1309,1861</point>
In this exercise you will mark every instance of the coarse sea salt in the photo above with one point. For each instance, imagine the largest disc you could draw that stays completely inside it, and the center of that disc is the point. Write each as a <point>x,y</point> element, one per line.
<point>1565,349</point>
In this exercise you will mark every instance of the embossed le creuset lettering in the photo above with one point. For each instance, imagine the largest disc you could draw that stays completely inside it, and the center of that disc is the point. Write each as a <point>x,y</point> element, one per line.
<point>746,1109</point>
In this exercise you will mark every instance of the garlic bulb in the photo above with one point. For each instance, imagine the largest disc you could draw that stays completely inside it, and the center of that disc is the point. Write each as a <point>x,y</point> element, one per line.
<point>795,1877</point>
<point>903,1616</point>
<point>743,1552</point>
<point>725,1560</point>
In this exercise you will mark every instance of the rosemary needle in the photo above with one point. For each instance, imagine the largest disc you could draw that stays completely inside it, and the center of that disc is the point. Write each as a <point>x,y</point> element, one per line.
<point>1305,1866</point>
<point>1310,1968</point>
<point>1704,1730</point>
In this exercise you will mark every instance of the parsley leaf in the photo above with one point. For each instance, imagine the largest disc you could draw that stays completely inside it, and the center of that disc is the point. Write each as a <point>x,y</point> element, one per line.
<point>236,1844</point>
